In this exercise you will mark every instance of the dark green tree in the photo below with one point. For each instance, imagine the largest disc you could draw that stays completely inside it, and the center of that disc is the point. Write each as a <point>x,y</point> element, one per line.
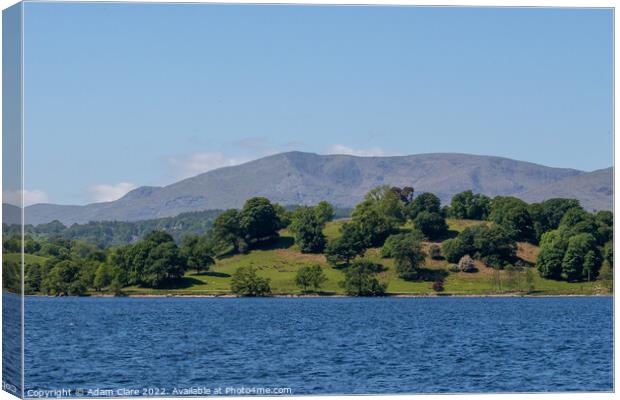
<point>408,257</point>
<point>467,205</point>
<point>432,225</point>
<point>349,245</point>
<point>307,226</point>
<point>424,202</point>
<point>360,279</point>
<point>549,260</point>
<point>259,220</point>
<point>324,211</point>
<point>197,252</point>
<point>310,276</point>
<point>246,282</point>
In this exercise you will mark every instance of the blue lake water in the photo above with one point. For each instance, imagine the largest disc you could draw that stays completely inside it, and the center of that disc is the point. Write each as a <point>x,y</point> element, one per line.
<point>320,345</point>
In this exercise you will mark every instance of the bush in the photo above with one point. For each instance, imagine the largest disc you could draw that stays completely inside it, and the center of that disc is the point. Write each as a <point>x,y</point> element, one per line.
<point>454,268</point>
<point>438,285</point>
<point>245,282</point>
<point>360,279</point>
<point>435,252</point>
<point>310,276</point>
<point>466,264</point>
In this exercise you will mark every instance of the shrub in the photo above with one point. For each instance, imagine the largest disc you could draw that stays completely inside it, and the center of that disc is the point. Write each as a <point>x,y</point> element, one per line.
<point>466,264</point>
<point>454,268</point>
<point>245,282</point>
<point>360,279</point>
<point>438,285</point>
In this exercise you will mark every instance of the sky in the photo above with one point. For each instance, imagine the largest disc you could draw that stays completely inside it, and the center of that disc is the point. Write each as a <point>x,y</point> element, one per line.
<point>124,95</point>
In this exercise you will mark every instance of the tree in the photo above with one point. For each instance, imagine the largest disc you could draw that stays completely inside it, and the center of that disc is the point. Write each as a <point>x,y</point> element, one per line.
<point>324,211</point>
<point>284,216</point>
<point>360,279</point>
<point>549,260</point>
<point>151,262</point>
<point>433,225</point>
<point>454,249</point>
<point>408,257</point>
<point>349,245</point>
<point>227,232</point>
<point>388,247</point>
<point>467,205</point>
<point>575,257</point>
<point>466,264</point>
<point>197,252</point>
<point>307,226</point>
<point>546,216</point>
<point>246,282</point>
<point>424,202</point>
<point>63,279</point>
<point>103,276</point>
<point>310,276</point>
<point>259,220</point>
<point>512,213</point>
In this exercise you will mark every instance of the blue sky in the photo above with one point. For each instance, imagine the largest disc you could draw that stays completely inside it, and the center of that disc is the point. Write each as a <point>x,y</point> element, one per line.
<point>125,95</point>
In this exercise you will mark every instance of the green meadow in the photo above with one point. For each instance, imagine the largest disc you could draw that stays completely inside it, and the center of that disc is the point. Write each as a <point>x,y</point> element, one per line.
<point>281,260</point>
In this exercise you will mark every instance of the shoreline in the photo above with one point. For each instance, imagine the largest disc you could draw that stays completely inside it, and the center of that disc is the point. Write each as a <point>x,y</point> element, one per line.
<point>229,296</point>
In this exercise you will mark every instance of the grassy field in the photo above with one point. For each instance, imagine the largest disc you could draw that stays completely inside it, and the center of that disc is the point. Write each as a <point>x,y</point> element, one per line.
<point>280,261</point>
<point>28,258</point>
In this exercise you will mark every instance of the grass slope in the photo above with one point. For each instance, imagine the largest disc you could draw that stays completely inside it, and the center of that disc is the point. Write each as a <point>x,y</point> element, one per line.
<point>280,262</point>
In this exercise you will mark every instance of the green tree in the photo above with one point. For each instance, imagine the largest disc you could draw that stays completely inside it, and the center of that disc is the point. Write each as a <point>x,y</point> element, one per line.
<point>152,262</point>
<point>63,279</point>
<point>546,216</point>
<point>467,205</point>
<point>246,282</point>
<point>307,226</point>
<point>310,276</point>
<point>227,233</point>
<point>349,245</point>
<point>197,252</point>
<point>432,225</point>
<point>360,279</point>
<point>103,276</point>
<point>549,260</point>
<point>259,220</point>
<point>388,247</point>
<point>454,249</point>
<point>512,213</point>
<point>576,252</point>
<point>324,211</point>
<point>424,202</point>
<point>408,257</point>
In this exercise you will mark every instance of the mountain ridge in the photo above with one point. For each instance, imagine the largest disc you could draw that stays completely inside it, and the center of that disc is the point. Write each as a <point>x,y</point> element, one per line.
<point>306,178</point>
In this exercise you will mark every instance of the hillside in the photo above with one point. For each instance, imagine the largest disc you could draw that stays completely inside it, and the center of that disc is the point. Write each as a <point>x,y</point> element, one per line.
<point>306,178</point>
<point>280,262</point>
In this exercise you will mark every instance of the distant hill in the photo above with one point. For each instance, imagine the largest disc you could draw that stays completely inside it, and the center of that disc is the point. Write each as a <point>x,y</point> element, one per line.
<point>306,178</point>
<point>594,189</point>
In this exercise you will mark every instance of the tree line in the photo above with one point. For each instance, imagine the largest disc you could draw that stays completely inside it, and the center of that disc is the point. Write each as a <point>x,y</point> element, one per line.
<point>575,245</point>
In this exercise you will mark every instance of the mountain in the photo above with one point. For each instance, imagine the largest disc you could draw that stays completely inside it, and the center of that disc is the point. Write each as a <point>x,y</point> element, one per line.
<point>593,189</point>
<point>11,214</point>
<point>306,178</point>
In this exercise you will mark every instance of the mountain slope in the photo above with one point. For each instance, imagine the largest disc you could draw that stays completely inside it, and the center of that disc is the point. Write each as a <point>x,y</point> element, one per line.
<point>594,189</point>
<point>306,178</point>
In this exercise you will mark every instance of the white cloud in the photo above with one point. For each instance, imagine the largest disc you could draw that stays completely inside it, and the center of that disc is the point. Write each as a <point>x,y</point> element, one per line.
<point>197,163</point>
<point>105,192</point>
<point>30,197</point>
<point>369,152</point>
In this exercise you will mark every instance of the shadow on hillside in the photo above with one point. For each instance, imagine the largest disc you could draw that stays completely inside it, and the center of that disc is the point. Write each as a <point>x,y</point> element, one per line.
<point>431,275</point>
<point>215,274</point>
<point>182,283</point>
<point>281,242</point>
<point>450,234</point>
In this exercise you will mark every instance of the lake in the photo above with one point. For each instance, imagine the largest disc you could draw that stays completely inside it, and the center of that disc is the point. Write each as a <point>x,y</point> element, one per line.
<point>172,346</point>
